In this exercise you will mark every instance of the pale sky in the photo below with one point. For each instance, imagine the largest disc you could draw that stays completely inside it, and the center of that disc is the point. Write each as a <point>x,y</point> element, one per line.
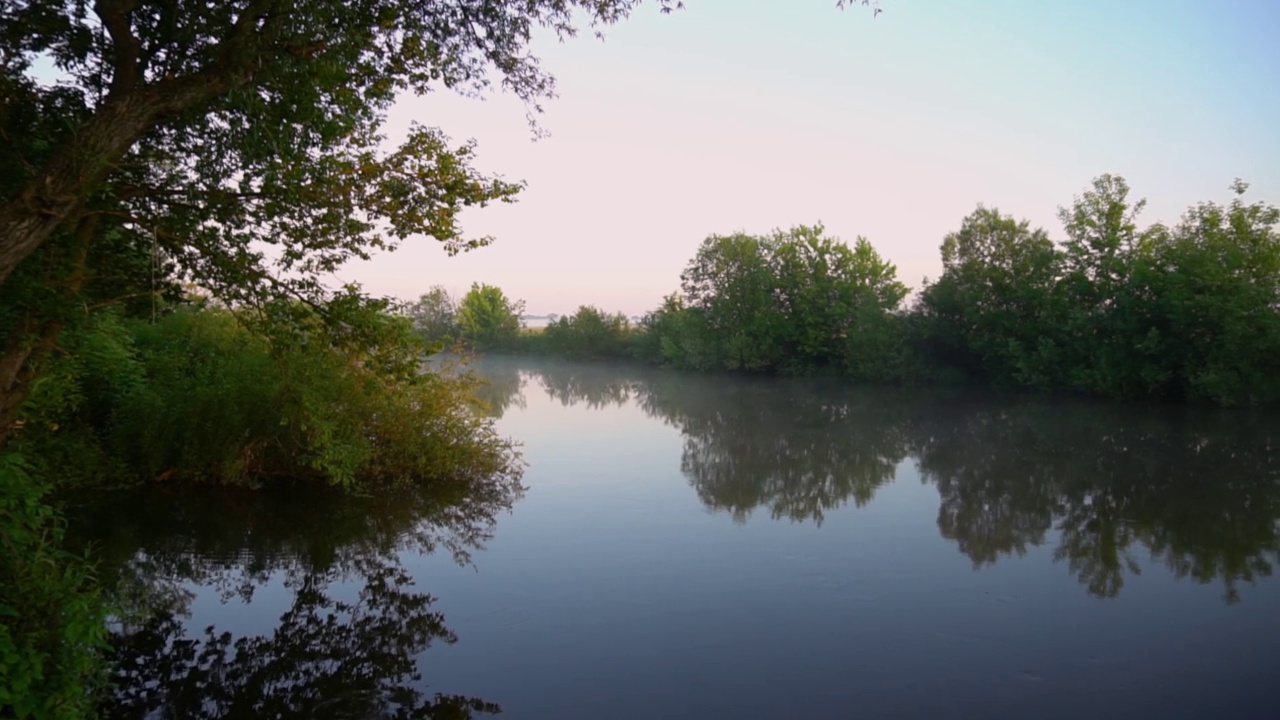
<point>755,114</point>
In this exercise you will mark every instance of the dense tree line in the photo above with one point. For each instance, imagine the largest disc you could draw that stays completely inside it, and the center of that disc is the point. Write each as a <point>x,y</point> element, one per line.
<point>1184,312</point>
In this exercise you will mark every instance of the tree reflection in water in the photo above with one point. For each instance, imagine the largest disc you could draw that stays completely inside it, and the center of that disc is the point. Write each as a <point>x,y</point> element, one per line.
<point>501,390</point>
<point>348,645</point>
<point>1114,486</point>
<point>1199,490</point>
<point>797,449</point>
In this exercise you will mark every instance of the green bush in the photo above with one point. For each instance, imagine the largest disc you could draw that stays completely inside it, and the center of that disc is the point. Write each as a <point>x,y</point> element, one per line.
<point>206,395</point>
<point>52,632</point>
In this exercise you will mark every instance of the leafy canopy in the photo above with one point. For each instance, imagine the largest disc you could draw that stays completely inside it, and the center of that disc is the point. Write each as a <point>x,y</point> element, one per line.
<point>487,318</point>
<point>218,124</point>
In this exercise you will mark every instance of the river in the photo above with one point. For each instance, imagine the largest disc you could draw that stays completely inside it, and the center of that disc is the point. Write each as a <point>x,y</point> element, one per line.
<point>719,547</point>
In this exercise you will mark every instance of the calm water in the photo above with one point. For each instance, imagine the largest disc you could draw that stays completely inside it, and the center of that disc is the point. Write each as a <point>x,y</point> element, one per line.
<point>692,547</point>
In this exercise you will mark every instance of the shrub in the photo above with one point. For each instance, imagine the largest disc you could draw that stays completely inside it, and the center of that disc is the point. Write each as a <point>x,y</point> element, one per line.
<point>207,395</point>
<point>52,630</point>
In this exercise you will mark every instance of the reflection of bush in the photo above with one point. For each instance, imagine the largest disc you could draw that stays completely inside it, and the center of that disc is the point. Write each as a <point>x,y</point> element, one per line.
<point>1200,491</point>
<point>328,658</point>
<point>501,389</point>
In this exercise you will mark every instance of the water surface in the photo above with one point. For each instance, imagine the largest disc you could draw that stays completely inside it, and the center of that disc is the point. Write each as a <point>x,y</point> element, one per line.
<point>712,547</point>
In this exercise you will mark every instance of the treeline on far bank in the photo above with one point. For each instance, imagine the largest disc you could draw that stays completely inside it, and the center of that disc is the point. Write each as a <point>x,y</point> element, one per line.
<point>1188,312</point>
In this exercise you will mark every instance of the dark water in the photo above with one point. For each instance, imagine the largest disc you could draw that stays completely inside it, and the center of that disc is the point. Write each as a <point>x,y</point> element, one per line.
<point>693,547</point>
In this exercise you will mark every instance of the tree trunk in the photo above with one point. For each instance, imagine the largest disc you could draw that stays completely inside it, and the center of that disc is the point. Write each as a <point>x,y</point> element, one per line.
<point>29,343</point>
<point>34,337</point>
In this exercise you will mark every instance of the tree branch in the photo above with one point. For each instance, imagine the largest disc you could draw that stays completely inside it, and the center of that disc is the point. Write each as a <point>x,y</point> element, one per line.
<point>115,18</point>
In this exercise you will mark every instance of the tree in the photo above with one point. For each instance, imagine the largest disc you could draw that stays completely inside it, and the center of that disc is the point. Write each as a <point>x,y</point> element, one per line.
<point>791,301</point>
<point>487,319</point>
<point>1217,281</point>
<point>435,315</point>
<point>992,306</point>
<point>829,292</point>
<point>730,285</point>
<point>1117,346</point>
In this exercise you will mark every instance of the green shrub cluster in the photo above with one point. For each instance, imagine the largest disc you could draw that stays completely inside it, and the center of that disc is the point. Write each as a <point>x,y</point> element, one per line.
<point>792,302</point>
<point>484,319</point>
<point>205,394</point>
<point>52,629</point>
<point>588,334</point>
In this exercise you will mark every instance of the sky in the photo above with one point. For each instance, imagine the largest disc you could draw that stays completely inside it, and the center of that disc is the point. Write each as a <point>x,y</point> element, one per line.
<point>750,115</point>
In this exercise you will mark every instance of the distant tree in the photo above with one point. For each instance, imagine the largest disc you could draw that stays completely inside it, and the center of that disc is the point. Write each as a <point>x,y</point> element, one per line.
<point>674,335</point>
<point>829,292</point>
<point>487,319</point>
<point>791,301</point>
<point>1115,345</point>
<point>588,334</point>
<point>435,315</point>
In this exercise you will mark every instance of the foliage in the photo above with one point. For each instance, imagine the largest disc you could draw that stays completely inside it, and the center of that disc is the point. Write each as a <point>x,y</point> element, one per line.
<point>824,288</point>
<point>729,286</point>
<point>487,319</point>
<point>588,334</point>
<point>1188,312</point>
<point>791,301</point>
<point>674,335</point>
<point>435,316</point>
<point>1218,277</point>
<point>204,394</point>
<point>51,614</point>
<point>1112,339</point>
<point>988,311</point>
